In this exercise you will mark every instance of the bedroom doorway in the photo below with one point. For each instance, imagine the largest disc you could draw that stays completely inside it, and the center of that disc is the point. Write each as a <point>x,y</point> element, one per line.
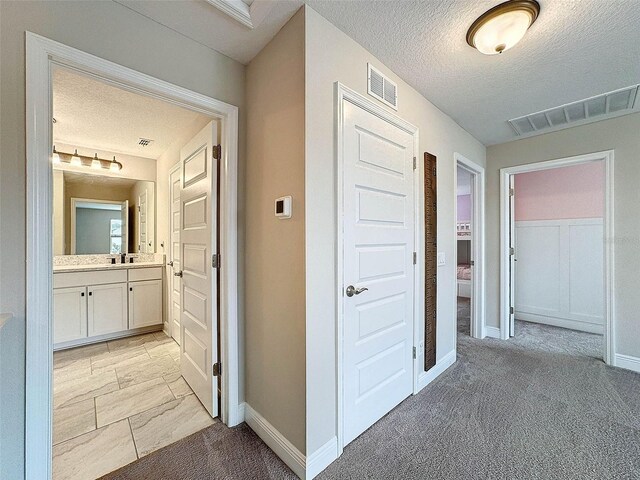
<point>557,257</point>
<point>469,255</point>
<point>556,262</point>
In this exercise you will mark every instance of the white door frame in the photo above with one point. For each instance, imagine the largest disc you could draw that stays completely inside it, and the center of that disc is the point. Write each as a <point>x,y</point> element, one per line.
<point>41,55</point>
<point>478,327</point>
<point>609,248</point>
<point>342,94</point>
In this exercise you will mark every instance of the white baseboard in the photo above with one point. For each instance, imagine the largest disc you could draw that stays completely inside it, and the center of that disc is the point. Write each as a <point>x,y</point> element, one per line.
<point>628,362</point>
<point>321,458</point>
<point>276,442</point>
<point>562,322</point>
<point>427,377</point>
<point>492,332</point>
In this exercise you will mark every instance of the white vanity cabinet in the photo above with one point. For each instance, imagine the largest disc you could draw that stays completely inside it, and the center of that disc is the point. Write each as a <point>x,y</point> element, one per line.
<point>145,297</point>
<point>107,309</point>
<point>69,314</point>
<point>92,306</point>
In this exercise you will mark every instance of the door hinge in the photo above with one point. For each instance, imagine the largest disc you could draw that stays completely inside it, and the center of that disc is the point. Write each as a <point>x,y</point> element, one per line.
<point>415,258</point>
<point>217,369</point>
<point>415,353</point>
<point>472,263</point>
<point>434,171</point>
<point>512,251</point>
<point>415,163</point>
<point>215,260</point>
<point>217,152</point>
<point>511,192</point>
<point>138,207</point>
<point>512,310</point>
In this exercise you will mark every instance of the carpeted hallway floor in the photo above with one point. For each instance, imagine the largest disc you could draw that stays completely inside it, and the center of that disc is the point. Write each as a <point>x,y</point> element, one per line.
<point>540,406</point>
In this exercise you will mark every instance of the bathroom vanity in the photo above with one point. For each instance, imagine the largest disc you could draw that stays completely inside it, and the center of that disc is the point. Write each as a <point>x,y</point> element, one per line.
<point>94,303</point>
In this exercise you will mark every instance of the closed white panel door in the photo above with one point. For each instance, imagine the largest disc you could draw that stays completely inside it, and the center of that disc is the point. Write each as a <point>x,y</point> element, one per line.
<point>69,314</point>
<point>174,304</point>
<point>145,303</point>
<point>107,309</point>
<point>142,223</point>
<point>378,268</point>
<point>198,217</point>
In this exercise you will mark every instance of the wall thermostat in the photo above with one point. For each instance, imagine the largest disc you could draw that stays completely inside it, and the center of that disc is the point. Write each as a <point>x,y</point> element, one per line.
<point>283,207</point>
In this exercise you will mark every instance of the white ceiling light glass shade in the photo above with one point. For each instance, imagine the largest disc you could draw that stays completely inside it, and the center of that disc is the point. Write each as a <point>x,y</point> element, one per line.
<point>95,163</point>
<point>55,158</point>
<point>76,161</point>
<point>500,28</point>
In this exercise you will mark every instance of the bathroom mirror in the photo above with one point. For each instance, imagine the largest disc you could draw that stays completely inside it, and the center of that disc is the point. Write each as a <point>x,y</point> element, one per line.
<point>98,214</point>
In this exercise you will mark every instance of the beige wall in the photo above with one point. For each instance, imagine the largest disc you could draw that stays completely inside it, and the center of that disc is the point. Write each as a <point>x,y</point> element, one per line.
<point>332,56</point>
<point>58,213</point>
<point>620,134</point>
<point>114,32</point>
<point>275,281</point>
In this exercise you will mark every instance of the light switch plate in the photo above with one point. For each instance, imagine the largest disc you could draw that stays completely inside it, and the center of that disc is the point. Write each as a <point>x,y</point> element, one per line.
<point>442,260</point>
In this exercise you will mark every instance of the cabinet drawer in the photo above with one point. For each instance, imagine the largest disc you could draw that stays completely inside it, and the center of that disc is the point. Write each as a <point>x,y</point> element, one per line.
<point>150,273</point>
<point>80,279</point>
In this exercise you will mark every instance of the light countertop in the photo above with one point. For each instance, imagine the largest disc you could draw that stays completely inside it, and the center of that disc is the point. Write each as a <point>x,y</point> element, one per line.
<point>106,266</point>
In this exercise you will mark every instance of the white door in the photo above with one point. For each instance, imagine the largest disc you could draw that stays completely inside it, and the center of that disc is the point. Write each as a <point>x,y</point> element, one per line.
<point>174,252</point>
<point>199,286</point>
<point>124,210</point>
<point>378,228</point>
<point>107,309</point>
<point>142,222</point>
<point>512,257</point>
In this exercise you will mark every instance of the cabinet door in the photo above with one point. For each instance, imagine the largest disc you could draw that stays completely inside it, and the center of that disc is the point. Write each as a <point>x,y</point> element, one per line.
<point>145,303</point>
<point>69,314</point>
<point>107,306</point>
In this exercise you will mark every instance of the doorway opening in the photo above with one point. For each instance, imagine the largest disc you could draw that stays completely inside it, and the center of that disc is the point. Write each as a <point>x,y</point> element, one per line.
<point>556,272</point>
<point>116,370</point>
<point>469,252</point>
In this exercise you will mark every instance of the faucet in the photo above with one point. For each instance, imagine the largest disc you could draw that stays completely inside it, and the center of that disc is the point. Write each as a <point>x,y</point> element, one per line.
<point>123,258</point>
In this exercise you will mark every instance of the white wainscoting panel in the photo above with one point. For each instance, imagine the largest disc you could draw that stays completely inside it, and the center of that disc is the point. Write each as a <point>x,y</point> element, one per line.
<point>560,273</point>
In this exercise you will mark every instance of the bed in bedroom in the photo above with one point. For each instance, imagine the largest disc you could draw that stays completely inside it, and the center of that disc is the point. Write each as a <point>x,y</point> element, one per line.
<point>464,259</point>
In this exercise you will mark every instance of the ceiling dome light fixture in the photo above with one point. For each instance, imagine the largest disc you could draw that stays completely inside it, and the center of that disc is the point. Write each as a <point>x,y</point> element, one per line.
<point>503,26</point>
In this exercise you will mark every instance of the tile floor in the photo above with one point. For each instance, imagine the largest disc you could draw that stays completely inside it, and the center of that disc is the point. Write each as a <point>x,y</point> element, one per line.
<point>117,401</point>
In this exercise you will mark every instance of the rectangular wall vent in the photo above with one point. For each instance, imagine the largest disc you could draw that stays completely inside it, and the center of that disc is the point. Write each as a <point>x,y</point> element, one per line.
<point>600,107</point>
<point>381,87</point>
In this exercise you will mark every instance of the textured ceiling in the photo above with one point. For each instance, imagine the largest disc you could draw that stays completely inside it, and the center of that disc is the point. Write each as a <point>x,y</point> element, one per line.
<point>576,49</point>
<point>208,26</point>
<point>93,114</point>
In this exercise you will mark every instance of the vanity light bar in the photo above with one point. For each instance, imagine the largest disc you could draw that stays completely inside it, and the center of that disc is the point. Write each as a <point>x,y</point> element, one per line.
<point>82,161</point>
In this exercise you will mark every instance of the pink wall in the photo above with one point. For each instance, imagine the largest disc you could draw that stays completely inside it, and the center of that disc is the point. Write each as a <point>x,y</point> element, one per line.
<point>464,208</point>
<point>568,192</point>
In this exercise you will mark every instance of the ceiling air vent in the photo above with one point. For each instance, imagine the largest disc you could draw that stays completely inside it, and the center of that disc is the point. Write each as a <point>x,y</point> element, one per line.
<point>144,142</point>
<point>381,87</point>
<point>608,105</point>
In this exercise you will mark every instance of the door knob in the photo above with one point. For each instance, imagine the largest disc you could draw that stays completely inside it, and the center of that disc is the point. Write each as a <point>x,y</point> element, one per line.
<point>178,274</point>
<point>351,290</point>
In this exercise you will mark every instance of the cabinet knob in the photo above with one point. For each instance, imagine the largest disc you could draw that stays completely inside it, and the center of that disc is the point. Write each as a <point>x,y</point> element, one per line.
<point>90,293</point>
<point>131,289</point>
<point>82,294</point>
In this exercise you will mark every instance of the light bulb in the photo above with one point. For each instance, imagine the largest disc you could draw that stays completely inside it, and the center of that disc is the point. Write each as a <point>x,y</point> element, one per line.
<point>55,158</point>
<point>114,167</point>
<point>76,161</point>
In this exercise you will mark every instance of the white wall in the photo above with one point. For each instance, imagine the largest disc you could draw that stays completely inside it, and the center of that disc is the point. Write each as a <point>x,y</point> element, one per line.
<point>619,134</point>
<point>108,30</point>
<point>332,56</point>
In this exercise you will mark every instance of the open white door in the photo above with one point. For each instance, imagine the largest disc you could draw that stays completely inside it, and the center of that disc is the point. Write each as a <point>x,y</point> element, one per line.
<point>512,257</point>
<point>142,222</point>
<point>175,184</point>
<point>199,286</point>
<point>378,229</point>
<point>124,210</point>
